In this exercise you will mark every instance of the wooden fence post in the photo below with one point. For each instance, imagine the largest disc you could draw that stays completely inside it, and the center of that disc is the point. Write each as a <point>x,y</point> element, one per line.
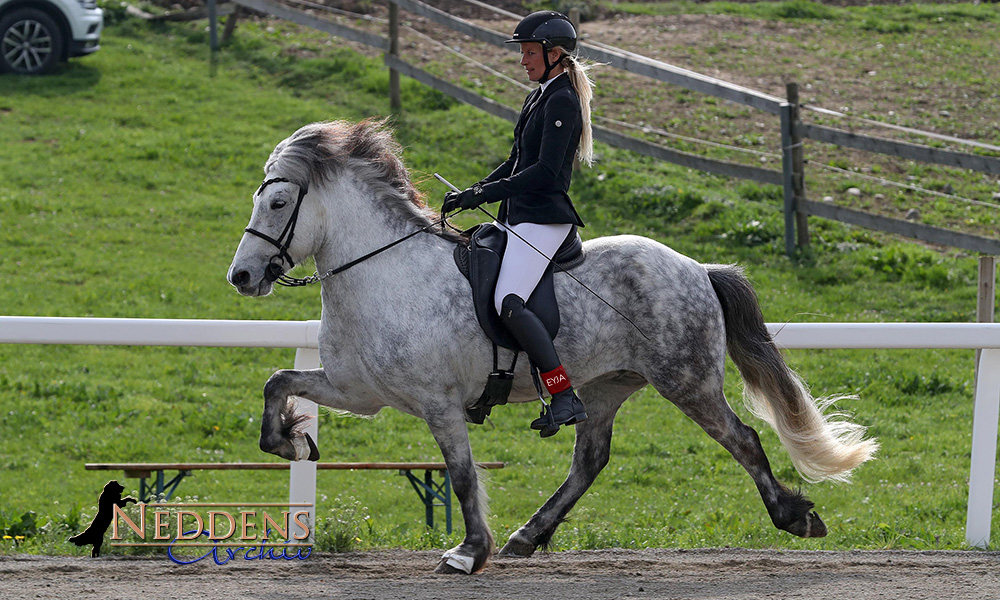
<point>395,98</point>
<point>986,296</point>
<point>788,177</point>
<point>227,31</point>
<point>574,18</point>
<point>798,167</point>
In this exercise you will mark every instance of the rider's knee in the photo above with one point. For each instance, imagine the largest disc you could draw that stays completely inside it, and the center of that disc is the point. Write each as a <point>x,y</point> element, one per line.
<point>511,306</point>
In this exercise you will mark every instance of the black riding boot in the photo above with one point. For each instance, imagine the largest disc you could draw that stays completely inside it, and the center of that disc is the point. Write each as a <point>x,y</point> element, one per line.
<point>565,408</point>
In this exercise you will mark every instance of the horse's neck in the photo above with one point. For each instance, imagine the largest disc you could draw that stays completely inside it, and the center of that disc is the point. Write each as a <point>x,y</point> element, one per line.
<point>358,226</point>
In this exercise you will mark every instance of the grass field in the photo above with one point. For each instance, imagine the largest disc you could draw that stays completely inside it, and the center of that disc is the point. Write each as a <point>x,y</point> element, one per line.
<point>125,185</point>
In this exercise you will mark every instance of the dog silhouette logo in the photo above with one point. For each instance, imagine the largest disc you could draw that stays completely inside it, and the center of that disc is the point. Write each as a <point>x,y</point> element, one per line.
<point>110,497</point>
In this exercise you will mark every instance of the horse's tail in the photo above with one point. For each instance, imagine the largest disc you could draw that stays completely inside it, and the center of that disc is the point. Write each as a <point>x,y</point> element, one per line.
<point>820,447</point>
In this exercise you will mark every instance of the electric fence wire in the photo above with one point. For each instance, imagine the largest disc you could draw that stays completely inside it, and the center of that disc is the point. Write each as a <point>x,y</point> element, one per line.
<point>339,11</point>
<point>907,186</point>
<point>902,128</point>
<point>470,60</point>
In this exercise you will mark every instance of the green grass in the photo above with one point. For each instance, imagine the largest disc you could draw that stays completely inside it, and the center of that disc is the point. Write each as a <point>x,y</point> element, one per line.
<point>124,188</point>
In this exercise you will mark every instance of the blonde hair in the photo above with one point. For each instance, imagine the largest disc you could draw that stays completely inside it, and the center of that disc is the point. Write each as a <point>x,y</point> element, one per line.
<point>577,70</point>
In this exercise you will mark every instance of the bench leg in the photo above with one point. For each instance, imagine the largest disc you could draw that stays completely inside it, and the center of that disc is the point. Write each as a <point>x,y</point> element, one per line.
<point>429,491</point>
<point>161,487</point>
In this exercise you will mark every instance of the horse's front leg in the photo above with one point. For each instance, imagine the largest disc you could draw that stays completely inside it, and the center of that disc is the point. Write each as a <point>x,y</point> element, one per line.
<point>448,428</point>
<point>603,398</point>
<point>280,427</point>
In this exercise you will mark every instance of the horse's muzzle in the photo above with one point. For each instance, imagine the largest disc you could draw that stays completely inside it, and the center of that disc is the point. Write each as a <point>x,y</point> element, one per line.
<point>244,283</point>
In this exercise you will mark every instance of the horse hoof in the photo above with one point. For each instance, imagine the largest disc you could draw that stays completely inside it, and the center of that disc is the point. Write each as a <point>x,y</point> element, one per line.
<point>517,548</point>
<point>305,448</point>
<point>452,563</point>
<point>809,526</point>
<point>313,450</point>
<point>816,528</point>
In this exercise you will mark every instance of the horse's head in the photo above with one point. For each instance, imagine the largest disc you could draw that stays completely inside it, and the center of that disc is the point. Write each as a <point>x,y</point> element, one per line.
<point>356,173</point>
<point>276,238</point>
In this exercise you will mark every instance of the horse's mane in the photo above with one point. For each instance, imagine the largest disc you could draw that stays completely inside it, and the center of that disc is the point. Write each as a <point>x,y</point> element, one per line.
<point>320,151</point>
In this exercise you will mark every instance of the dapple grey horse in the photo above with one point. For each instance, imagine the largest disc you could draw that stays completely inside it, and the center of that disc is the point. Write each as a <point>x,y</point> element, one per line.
<point>399,330</point>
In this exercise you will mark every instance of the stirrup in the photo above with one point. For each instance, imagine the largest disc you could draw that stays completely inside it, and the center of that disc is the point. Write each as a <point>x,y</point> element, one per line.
<point>545,424</point>
<point>571,414</point>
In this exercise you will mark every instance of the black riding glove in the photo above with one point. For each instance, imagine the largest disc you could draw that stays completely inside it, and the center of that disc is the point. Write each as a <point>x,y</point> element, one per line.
<point>467,199</point>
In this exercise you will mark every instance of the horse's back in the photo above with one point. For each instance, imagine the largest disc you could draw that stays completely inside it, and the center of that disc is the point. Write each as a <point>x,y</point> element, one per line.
<point>648,265</point>
<point>666,294</point>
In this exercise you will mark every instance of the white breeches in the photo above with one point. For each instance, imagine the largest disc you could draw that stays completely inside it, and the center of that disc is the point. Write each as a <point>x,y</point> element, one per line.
<point>522,266</point>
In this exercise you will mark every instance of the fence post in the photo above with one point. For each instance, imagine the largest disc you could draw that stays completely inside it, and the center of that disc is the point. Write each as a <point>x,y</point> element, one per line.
<point>986,297</point>
<point>574,18</point>
<point>213,26</point>
<point>395,99</point>
<point>302,475</point>
<point>986,414</point>
<point>788,176</point>
<point>227,31</point>
<point>798,167</point>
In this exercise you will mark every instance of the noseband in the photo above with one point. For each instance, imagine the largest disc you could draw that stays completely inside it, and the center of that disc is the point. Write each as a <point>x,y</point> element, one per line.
<point>274,271</point>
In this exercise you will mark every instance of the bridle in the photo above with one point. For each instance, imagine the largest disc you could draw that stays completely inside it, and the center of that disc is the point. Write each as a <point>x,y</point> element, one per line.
<point>274,272</point>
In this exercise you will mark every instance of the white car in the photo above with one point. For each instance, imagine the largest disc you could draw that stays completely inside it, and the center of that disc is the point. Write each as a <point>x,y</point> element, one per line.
<point>35,35</point>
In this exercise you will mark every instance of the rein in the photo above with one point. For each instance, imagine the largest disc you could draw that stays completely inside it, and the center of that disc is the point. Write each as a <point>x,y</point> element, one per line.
<point>316,277</point>
<point>274,272</point>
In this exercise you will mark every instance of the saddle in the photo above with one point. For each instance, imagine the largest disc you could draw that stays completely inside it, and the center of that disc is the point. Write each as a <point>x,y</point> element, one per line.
<point>479,261</point>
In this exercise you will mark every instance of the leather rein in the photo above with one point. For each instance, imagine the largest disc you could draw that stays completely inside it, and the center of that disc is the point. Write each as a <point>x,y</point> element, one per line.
<point>274,272</point>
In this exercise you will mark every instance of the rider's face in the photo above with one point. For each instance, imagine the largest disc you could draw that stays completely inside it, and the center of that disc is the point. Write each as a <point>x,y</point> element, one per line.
<point>533,61</point>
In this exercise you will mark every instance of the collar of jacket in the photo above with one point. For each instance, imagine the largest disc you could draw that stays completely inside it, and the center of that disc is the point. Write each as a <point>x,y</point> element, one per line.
<point>556,83</point>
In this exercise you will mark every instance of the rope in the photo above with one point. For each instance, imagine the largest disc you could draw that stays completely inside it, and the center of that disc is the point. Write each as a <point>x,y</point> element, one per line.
<point>338,11</point>
<point>902,128</point>
<point>661,132</point>
<point>907,186</point>
<point>498,11</point>
<point>471,60</point>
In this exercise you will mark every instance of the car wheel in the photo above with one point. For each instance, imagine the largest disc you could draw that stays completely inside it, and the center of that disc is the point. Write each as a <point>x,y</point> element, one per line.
<point>30,42</point>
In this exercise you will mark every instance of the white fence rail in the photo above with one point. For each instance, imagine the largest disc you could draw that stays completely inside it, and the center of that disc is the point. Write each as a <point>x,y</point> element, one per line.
<point>303,335</point>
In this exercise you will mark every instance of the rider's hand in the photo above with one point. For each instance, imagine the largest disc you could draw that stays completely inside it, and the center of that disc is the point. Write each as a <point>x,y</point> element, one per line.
<point>470,198</point>
<point>450,202</point>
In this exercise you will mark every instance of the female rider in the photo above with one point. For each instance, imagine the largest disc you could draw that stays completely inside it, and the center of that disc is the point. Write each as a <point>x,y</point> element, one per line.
<point>553,128</point>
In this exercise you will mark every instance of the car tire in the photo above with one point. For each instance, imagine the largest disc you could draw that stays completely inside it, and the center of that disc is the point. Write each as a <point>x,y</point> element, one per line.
<point>30,42</point>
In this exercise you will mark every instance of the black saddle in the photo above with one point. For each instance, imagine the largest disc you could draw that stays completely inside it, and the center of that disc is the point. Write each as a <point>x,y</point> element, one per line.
<point>480,260</point>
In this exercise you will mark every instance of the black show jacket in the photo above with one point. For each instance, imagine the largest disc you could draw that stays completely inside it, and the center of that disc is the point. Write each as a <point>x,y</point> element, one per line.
<point>534,181</point>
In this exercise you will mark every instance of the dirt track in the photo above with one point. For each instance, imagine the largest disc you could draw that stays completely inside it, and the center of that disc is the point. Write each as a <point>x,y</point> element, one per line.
<point>723,574</point>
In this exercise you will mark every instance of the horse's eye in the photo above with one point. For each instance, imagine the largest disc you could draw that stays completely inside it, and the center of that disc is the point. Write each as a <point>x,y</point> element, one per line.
<point>278,204</point>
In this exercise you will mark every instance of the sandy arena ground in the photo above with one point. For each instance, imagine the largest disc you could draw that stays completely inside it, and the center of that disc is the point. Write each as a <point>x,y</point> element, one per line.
<point>668,574</point>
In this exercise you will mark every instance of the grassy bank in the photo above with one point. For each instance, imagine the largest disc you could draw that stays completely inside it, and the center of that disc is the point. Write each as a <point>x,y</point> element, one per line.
<point>125,185</point>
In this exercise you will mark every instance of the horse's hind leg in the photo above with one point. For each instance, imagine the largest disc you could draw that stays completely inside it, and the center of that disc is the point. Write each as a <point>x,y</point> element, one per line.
<point>707,406</point>
<point>602,397</point>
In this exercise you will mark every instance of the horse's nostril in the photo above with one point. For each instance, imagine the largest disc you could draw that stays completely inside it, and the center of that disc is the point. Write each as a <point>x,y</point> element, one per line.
<point>240,278</point>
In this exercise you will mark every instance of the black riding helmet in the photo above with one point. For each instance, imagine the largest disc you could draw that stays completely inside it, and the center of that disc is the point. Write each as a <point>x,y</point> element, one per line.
<point>550,29</point>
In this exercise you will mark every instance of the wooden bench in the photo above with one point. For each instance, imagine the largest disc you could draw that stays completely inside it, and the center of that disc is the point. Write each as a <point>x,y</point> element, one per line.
<point>431,492</point>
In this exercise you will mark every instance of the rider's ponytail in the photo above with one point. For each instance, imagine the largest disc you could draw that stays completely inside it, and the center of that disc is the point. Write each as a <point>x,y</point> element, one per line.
<point>584,86</point>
